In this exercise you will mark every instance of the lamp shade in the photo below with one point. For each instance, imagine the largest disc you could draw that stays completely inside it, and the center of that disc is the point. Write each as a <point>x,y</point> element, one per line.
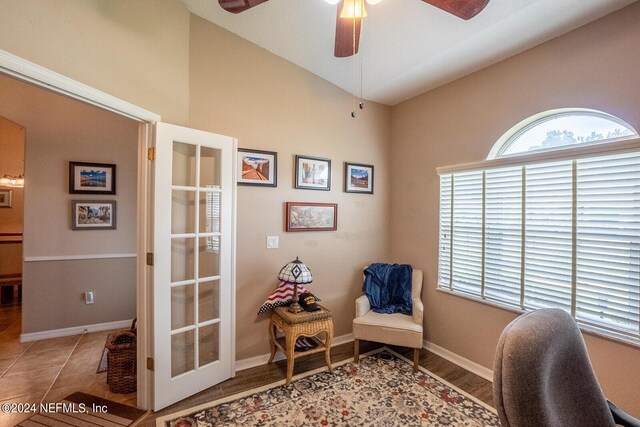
<point>295,272</point>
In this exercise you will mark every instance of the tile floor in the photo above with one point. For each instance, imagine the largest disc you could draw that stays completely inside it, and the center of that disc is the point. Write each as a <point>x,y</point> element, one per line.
<point>48,370</point>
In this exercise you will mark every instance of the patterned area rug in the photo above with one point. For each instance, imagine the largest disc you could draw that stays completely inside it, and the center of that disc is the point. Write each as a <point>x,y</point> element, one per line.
<point>381,391</point>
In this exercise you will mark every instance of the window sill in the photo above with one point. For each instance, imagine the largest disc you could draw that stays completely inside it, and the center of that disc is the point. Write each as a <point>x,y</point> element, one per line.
<point>584,328</point>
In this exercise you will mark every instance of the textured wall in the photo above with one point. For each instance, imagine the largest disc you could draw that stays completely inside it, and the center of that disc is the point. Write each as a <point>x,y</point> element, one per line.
<point>266,102</point>
<point>135,50</point>
<point>59,130</point>
<point>592,67</point>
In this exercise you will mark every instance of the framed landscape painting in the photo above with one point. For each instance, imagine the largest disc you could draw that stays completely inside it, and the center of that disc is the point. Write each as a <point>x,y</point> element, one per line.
<point>358,178</point>
<point>5,198</point>
<point>257,167</point>
<point>313,173</point>
<point>93,214</point>
<point>311,216</point>
<point>92,178</point>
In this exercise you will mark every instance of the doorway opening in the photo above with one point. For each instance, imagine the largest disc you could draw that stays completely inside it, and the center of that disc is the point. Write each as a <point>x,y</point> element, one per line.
<point>53,341</point>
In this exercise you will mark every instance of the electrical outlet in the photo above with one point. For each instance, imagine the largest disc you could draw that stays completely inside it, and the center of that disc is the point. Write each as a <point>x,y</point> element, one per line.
<point>272,242</point>
<point>88,297</point>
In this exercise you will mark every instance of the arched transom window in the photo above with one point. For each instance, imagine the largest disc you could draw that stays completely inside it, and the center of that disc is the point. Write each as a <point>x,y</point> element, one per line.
<point>561,129</point>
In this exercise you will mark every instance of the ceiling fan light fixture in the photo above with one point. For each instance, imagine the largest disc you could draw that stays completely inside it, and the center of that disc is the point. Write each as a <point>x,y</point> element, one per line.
<point>353,9</point>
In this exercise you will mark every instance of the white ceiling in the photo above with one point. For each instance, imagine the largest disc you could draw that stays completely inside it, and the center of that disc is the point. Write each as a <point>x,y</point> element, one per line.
<point>407,46</point>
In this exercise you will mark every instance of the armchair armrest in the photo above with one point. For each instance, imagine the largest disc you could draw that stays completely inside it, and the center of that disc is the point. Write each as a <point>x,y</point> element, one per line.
<point>621,417</point>
<point>362,306</point>
<point>418,310</point>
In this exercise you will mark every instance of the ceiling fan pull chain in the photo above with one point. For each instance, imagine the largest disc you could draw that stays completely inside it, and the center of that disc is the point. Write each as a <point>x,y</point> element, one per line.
<point>361,105</point>
<point>353,41</point>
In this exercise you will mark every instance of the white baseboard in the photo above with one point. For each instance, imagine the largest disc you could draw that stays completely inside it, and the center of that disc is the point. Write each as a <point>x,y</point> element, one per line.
<point>252,362</point>
<point>463,362</point>
<point>75,330</point>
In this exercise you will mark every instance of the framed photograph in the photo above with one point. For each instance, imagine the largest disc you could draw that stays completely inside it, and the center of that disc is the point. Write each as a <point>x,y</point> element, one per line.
<point>5,198</point>
<point>92,178</point>
<point>358,178</point>
<point>256,167</point>
<point>313,173</point>
<point>93,214</point>
<point>312,216</point>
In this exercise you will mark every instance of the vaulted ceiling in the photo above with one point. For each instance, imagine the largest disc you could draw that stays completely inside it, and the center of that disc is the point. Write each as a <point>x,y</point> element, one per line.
<point>407,46</point>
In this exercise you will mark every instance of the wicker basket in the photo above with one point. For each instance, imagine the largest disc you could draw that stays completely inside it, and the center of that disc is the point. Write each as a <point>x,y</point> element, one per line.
<point>121,374</point>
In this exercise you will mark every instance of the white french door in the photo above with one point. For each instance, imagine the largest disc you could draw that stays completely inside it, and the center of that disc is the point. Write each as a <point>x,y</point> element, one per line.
<point>193,273</point>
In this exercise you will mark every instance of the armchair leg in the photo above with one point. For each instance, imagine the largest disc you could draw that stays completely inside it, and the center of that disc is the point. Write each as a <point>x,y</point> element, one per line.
<point>356,351</point>
<point>416,359</point>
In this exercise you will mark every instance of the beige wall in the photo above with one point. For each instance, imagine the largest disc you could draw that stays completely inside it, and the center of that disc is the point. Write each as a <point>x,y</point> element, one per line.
<point>59,130</point>
<point>11,163</point>
<point>241,90</point>
<point>135,50</point>
<point>592,67</point>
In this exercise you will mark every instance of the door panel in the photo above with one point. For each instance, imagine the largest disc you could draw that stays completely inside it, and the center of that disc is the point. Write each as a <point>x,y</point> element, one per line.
<point>193,266</point>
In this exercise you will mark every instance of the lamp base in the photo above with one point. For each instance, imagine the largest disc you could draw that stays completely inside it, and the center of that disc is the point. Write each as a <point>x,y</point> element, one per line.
<point>295,307</point>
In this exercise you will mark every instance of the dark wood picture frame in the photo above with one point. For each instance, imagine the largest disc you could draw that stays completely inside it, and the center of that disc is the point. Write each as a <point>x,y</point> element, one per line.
<point>307,179</point>
<point>244,168</point>
<point>302,216</point>
<point>358,184</point>
<point>99,223</point>
<point>79,184</point>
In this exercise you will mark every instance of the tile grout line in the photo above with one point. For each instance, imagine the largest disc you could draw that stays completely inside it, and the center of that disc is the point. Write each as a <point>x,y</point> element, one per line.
<point>62,367</point>
<point>4,331</point>
<point>17,359</point>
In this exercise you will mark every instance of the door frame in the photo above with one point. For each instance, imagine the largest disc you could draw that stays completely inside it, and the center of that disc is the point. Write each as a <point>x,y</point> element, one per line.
<point>37,75</point>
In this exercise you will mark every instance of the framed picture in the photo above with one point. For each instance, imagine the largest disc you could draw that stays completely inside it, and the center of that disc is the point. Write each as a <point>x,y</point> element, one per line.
<point>312,216</point>
<point>256,167</point>
<point>358,178</point>
<point>313,173</point>
<point>93,214</point>
<point>92,178</point>
<point>5,198</point>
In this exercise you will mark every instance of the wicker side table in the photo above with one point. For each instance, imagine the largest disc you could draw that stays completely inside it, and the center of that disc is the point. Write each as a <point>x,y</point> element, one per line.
<point>294,325</point>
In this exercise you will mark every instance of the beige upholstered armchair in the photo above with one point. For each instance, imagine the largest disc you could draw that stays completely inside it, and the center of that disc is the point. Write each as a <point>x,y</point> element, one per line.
<point>395,329</point>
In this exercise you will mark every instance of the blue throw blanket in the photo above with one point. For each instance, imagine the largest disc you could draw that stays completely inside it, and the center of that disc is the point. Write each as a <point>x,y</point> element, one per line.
<point>388,288</point>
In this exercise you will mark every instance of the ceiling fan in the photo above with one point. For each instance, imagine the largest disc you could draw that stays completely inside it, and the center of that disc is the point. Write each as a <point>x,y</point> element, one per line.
<point>349,18</point>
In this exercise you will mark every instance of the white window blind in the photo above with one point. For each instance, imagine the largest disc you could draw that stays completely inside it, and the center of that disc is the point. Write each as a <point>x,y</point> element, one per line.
<point>608,242</point>
<point>548,235</point>
<point>558,233</point>
<point>444,264</point>
<point>466,264</point>
<point>503,233</point>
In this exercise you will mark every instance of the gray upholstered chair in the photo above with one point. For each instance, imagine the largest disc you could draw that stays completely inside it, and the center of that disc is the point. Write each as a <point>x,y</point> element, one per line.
<point>395,329</point>
<point>542,376</point>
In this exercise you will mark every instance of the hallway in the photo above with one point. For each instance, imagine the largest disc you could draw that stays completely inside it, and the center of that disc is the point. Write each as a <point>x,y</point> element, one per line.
<point>49,370</point>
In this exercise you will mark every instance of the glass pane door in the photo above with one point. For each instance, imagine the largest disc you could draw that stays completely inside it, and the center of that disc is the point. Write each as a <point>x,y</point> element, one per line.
<point>196,198</point>
<point>193,278</point>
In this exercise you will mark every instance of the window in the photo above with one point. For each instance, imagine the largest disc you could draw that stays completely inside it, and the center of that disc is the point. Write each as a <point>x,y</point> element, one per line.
<point>550,224</point>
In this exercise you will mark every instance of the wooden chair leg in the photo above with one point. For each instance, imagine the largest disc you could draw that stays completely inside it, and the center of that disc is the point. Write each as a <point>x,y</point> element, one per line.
<point>416,359</point>
<point>356,351</point>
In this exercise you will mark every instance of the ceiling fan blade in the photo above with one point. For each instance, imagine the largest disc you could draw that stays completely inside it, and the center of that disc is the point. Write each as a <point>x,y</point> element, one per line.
<point>344,34</point>
<point>237,6</point>
<point>465,9</point>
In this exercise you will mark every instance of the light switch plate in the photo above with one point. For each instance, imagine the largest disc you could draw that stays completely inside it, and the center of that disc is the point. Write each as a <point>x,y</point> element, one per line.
<point>272,242</point>
<point>88,297</point>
